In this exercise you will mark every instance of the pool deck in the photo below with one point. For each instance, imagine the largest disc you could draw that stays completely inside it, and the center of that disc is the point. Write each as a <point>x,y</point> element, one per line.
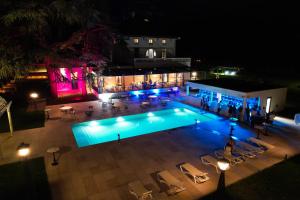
<point>103,171</point>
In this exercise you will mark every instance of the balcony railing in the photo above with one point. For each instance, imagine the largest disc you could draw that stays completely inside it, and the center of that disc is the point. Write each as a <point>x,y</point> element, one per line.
<point>159,62</point>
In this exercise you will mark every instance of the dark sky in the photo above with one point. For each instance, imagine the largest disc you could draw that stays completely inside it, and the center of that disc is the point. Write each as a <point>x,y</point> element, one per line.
<point>245,32</point>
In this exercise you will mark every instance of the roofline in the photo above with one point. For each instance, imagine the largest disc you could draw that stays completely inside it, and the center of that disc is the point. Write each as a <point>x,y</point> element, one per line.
<point>152,36</point>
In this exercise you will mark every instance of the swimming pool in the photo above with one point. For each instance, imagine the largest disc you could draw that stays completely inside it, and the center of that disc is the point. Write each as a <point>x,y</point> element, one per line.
<point>105,130</point>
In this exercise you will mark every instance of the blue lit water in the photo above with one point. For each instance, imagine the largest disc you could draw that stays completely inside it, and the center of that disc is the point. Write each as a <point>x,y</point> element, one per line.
<point>105,130</point>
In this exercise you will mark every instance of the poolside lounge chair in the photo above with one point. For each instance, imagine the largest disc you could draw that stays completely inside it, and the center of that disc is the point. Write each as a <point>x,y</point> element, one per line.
<point>198,176</point>
<point>209,160</point>
<point>261,143</point>
<point>243,152</point>
<point>173,184</point>
<point>249,147</point>
<point>224,154</point>
<point>138,190</point>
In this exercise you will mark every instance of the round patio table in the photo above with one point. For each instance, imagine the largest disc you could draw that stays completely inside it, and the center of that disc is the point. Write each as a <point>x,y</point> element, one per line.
<point>65,108</point>
<point>145,103</point>
<point>53,150</point>
<point>152,96</point>
<point>47,113</point>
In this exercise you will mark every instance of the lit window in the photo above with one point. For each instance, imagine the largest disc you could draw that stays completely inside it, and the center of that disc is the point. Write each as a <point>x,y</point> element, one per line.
<point>163,41</point>
<point>135,40</point>
<point>150,41</point>
<point>164,53</point>
<point>150,53</point>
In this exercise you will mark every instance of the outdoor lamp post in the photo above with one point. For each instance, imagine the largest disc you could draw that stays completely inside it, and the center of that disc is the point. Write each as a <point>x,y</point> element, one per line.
<point>223,166</point>
<point>23,150</point>
<point>34,96</point>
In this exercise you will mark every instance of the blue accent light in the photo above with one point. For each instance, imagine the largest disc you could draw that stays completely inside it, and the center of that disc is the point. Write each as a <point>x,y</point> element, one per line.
<point>136,93</point>
<point>156,91</point>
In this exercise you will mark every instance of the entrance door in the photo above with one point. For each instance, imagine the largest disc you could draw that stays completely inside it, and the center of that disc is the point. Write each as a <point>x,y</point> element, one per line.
<point>268,106</point>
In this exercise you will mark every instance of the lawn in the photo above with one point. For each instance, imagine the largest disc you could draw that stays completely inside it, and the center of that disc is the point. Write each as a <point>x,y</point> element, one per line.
<point>22,119</point>
<point>24,180</point>
<point>278,182</point>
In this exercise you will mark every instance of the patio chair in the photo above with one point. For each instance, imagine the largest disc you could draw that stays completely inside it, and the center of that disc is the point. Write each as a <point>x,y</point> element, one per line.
<point>173,184</point>
<point>198,176</point>
<point>243,152</point>
<point>73,113</point>
<point>261,143</point>
<point>137,189</point>
<point>250,148</point>
<point>209,160</point>
<point>224,154</point>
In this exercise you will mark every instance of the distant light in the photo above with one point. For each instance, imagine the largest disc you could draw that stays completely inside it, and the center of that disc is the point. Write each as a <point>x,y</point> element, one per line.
<point>233,73</point>
<point>23,149</point>
<point>93,123</point>
<point>223,165</point>
<point>235,138</point>
<point>194,73</point>
<point>136,93</point>
<point>105,96</point>
<point>197,121</point>
<point>120,119</point>
<point>146,20</point>
<point>233,124</point>
<point>215,132</point>
<point>34,95</point>
<point>176,110</point>
<point>156,91</point>
<point>175,88</point>
<point>150,114</point>
<point>226,72</point>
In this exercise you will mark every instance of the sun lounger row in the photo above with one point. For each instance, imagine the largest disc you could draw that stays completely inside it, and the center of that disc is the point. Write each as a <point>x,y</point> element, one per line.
<point>261,143</point>
<point>241,150</point>
<point>173,185</point>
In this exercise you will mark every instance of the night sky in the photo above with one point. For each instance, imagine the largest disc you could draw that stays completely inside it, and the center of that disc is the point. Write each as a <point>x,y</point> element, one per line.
<point>249,33</point>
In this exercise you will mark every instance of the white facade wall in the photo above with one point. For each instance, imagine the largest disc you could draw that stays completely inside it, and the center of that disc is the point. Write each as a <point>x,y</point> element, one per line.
<point>278,98</point>
<point>278,95</point>
<point>143,45</point>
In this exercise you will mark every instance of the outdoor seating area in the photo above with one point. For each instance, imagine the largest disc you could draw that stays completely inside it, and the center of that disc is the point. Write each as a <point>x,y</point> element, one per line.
<point>169,167</point>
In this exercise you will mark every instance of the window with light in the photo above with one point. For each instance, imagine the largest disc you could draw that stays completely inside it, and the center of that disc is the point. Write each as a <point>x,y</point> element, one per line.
<point>135,40</point>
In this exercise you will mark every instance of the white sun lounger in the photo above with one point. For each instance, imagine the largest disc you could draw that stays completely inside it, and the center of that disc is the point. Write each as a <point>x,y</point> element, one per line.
<point>209,160</point>
<point>173,184</point>
<point>261,143</point>
<point>138,190</point>
<point>233,160</point>
<point>250,147</point>
<point>243,152</point>
<point>198,176</point>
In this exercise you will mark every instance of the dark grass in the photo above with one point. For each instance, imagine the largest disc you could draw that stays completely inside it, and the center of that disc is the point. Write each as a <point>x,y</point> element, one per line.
<point>22,119</point>
<point>24,180</point>
<point>279,182</point>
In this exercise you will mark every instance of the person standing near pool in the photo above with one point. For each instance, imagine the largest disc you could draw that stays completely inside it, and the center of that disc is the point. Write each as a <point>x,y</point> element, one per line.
<point>119,138</point>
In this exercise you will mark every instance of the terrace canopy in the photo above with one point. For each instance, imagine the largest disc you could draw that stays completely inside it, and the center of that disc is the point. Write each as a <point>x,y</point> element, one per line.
<point>5,107</point>
<point>260,96</point>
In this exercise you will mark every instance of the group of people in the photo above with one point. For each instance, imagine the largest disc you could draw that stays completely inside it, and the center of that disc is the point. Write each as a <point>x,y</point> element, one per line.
<point>204,103</point>
<point>144,85</point>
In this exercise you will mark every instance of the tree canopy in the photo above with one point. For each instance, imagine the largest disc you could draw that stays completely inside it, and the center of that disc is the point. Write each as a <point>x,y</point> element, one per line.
<point>33,29</point>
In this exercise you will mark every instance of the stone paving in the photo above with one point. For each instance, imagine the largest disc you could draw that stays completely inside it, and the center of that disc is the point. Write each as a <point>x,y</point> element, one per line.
<point>103,171</point>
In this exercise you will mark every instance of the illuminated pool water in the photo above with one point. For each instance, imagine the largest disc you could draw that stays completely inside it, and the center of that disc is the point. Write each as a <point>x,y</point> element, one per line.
<point>100,131</point>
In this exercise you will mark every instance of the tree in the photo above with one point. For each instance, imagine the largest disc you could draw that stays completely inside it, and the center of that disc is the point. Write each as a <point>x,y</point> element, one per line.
<point>33,27</point>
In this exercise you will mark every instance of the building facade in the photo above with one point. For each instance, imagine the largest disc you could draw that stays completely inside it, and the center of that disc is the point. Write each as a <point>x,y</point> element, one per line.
<point>154,66</point>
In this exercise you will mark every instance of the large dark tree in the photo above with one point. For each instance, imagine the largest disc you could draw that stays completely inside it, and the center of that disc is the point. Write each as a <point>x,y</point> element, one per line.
<point>31,29</point>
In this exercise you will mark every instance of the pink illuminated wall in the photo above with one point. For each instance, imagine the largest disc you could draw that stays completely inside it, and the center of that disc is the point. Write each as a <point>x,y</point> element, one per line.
<point>67,81</point>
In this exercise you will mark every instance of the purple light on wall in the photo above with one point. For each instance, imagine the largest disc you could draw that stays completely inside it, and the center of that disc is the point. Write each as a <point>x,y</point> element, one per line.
<point>64,83</point>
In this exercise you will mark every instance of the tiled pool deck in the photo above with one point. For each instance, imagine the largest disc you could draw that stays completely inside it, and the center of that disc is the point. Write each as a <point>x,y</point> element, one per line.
<point>103,171</point>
